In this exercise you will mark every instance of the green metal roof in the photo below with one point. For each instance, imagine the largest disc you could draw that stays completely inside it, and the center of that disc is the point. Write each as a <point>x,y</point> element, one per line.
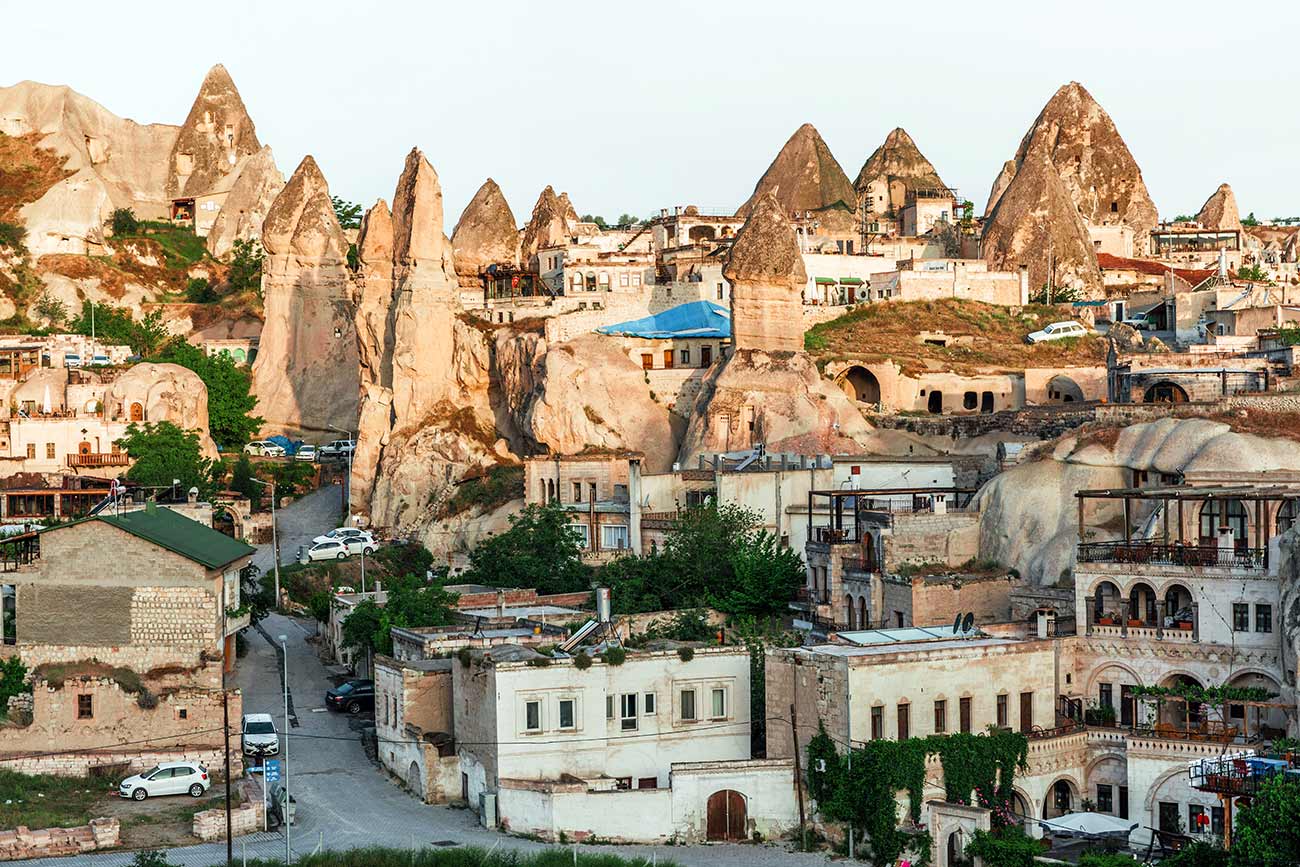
<point>851,281</point>
<point>178,534</point>
<point>825,280</point>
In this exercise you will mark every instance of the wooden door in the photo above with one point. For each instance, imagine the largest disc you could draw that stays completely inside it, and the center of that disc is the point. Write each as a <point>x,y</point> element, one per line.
<point>726,816</point>
<point>706,356</point>
<point>668,359</point>
<point>647,361</point>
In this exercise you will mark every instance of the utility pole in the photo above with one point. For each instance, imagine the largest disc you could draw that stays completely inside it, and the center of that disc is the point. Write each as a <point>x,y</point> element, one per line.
<point>1051,269</point>
<point>288,799</point>
<point>798,775</point>
<point>225,729</point>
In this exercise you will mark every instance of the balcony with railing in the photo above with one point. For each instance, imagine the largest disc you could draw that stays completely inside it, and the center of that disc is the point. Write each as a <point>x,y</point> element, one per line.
<point>1175,555</point>
<point>1242,774</point>
<point>98,459</point>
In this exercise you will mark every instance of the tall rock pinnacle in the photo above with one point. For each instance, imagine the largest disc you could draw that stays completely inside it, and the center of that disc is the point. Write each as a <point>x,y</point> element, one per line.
<point>550,224</point>
<point>767,276</point>
<point>216,134</point>
<point>1220,210</point>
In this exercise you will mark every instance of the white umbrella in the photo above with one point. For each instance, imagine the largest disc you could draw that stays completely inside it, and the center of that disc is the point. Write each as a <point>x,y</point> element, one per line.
<point>1088,825</point>
<point>47,406</point>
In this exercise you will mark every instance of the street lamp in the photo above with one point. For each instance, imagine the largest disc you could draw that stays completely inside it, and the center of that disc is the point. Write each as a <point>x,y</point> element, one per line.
<point>288,800</point>
<point>275,539</point>
<point>347,485</point>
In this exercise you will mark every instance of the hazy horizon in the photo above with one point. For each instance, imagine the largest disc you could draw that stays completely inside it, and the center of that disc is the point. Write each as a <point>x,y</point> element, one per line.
<point>675,104</point>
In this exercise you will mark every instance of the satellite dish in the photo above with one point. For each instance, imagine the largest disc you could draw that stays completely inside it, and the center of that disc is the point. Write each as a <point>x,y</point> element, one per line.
<point>969,623</point>
<point>956,623</point>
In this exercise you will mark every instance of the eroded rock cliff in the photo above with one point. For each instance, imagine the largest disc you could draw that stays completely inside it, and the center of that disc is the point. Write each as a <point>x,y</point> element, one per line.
<point>894,169</point>
<point>486,234</point>
<point>805,177</point>
<point>216,134</point>
<point>254,184</point>
<point>1220,210</point>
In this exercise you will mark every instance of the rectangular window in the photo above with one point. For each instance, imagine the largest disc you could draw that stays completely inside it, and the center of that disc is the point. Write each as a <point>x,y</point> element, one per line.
<point>636,279</point>
<point>1002,712</point>
<point>577,492</point>
<point>566,713</point>
<point>532,716</point>
<point>1123,802</point>
<point>31,451</point>
<point>1263,618</point>
<point>1240,617</point>
<point>609,707</point>
<point>684,356</point>
<point>582,533</point>
<point>647,783</point>
<point>688,705</point>
<point>940,717</point>
<point>648,704</point>
<point>877,723</point>
<point>1194,814</point>
<point>964,707</point>
<point>1105,798</point>
<point>623,279</point>
<point>591,491</point>
<point>85,706</point>
<point>719,703</point>
<point>1216,821</point>
<point>1106,695</point>
<point>627,711</point>
<point>613,537</point>
<point>1169,817</point>
<point>904,722</point>
<point>1026,711</point>
<point>49,451</point>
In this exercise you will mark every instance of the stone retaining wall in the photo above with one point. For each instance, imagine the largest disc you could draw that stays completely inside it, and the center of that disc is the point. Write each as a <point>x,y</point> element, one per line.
<point>83,764</point>
<point>247,818</point>
<point>23,842</point>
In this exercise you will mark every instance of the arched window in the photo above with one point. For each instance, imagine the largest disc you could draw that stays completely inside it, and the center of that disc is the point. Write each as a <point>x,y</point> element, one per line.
<point>863,621</point>
<point>137,411</point>
<point>849,612</point>
<point>1286,516</point>
<point>1223,513</point>
<point>1142,605</point>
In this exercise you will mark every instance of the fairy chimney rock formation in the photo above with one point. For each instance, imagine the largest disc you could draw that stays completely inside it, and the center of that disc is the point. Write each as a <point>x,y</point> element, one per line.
<point>1000,184</point>
<point>1100,175</point>
<point>767,277</point>
<point>550,224</point>
<point>374,283</point>
<point>1220,211</point>
<point>254,186</point>
<point>1035,221</point>
<point>486,234</point>
<point>216,134</point>
<point>805,177</point>
<point>305,375</point>
<point>892,170</point>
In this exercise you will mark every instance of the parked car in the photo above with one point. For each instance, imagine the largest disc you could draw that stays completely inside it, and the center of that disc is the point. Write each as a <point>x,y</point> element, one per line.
<point>331,549</point>
<point>169,778</point>
<point>365,543</point>
<point>339,534</point>
<point>338,449</point>
<point>282,804</point>
<point>306,452</point>
<point>265,448</point>
<point>1057,331</point>
<point>72,359</point>
<point>258,736</point>
<point>1140,321</point>
<point>352,696</point>
<point>100,361</point>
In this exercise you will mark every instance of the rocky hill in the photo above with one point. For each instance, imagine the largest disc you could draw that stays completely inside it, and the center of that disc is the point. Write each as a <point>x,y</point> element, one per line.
<point>894,169</point>
<point>485,234</point>
<point>1220,210</point>
<point>805,177</point>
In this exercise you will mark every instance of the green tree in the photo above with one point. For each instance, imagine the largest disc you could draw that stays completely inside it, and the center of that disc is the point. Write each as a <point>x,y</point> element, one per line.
<point>1185,218</point>
<point>123,222</point>
<point>1254,273</point>
<point>594,218</point>
<point>1197,854</point>
<point>626,221</point>
<point>764,576</point>
<point>145,336</point>
<point>13,681</point>
<point>52,309</point>
<point>412,602</point>
<point>246,266</point>
<point>348,213</point>
<point>162,453</point>
<point>538,550</point>
<point>363,628</point>
<point>1249,220</point>
<point>199,291</point>
<point>229,385</point>
<point>14,237</point>
<point>1267,833</point>
<point>241,480</point>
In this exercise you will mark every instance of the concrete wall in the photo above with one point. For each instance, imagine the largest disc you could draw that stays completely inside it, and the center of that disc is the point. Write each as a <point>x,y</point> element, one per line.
<point>937,599</point>
<point>951,538</point>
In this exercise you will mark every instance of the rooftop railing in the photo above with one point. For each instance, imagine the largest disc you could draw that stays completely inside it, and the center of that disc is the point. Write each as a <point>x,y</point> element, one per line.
<point>1157,554</point>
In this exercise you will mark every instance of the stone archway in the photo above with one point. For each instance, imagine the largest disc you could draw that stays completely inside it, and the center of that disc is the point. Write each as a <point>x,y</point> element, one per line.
<point>1165,391</point>
<point>415,780</point>
<point>726,816</point>
<point>860,384</point>
<point>1062,797</point>
<point>1063,389</point>
<point>137,411</point>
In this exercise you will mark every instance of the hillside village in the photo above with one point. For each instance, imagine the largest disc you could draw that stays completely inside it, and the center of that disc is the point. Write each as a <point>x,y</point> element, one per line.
<point>643,533</point>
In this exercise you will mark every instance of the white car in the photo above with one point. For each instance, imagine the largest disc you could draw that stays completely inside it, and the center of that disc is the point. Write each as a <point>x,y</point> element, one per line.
<point>306,452</point>
<point>338,449</point>
<point>71,360</point>
<point>257,735</point>
<point>265,448</point>
<point>339,534</point>
<point>168,778</point>
<point>332,549</point>
<point>1138,321</point>
<point>1057,331</point>
<point>100,361</point>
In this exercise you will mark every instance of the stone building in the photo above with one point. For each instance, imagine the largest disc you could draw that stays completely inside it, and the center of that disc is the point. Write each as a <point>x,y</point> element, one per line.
<point>601,493</point>
<point>127,624</point>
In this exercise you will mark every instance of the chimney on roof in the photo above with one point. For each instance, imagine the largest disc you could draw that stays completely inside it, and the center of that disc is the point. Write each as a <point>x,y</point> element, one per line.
<point>501,603</point>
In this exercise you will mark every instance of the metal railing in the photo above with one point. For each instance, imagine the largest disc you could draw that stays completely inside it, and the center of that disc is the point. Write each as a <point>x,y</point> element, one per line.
<point>1242,774</point>
<point>1171,555</point>
<point>99,459</point>
<point>17,551</point>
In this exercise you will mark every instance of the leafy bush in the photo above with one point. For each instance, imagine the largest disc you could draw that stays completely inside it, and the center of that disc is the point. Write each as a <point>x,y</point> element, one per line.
<point>162,453</point>
<point>405,558</point>
<point>116,325</point>
<point>498,486</point>
<point>246,267</point>
<point>13,236</point>
<point>52,309</point>
<point>13,677</point>
<point>581,660</point>
<point>614,656</point>
<point>686,654</point>
<point>123,222</point>
<point>199,291</point>
<point>1009,847</point>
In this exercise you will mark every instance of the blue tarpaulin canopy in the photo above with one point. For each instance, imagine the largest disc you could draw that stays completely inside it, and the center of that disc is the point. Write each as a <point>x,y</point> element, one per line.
<point>696,319</point>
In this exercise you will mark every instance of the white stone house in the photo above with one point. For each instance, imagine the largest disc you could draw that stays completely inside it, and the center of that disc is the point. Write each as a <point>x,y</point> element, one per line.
<point>654,749</point>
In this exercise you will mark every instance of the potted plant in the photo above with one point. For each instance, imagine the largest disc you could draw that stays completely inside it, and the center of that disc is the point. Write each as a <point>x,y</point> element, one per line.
<point>1133,621</point>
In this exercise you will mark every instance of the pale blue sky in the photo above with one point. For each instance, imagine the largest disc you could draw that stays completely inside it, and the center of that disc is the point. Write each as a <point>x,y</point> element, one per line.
<point>632,107</point>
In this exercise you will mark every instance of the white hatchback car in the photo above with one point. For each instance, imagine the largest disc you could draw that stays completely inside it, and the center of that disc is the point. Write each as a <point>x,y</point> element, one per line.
<point>331,549</point>
<point>169,778</point>
<point>339,534</point>
<point>1057,331</point>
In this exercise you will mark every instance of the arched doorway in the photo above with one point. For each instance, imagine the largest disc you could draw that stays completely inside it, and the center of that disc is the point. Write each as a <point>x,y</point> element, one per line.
<point>1023,810</point>
<point>1286,516</point>
<point>137,411</point>
<point>700,233</point>
<point>414,780</point>
<point>1062,389</point>
<point>1165,392</point>
<point>934,403</point>
<point>1142,606</point>
<point>1178,611</point>
<point>1061,799</point>
<point>861,385</point>
<point>863,621</point>
<point>957,849</point>
<point>849,612</point>
<point>1216,514</point>
<point>726,816</point>
<point>1105,604</point>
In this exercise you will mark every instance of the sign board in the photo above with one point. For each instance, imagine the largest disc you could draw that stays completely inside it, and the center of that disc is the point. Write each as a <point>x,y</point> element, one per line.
<point>271,770</point>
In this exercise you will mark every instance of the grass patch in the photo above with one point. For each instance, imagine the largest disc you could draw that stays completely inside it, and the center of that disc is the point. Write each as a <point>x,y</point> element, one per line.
<point>498,486</point>
<point>888,331</point>
<point>178,244</point>
<point>58,673</point>
<point>46,802</point>
<point>457,857</point>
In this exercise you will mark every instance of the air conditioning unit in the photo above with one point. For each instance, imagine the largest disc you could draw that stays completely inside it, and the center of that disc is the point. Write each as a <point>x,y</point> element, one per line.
<point>487,809</point>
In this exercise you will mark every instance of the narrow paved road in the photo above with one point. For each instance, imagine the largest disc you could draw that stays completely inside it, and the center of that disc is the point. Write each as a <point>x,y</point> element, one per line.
<point>344,800</point>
